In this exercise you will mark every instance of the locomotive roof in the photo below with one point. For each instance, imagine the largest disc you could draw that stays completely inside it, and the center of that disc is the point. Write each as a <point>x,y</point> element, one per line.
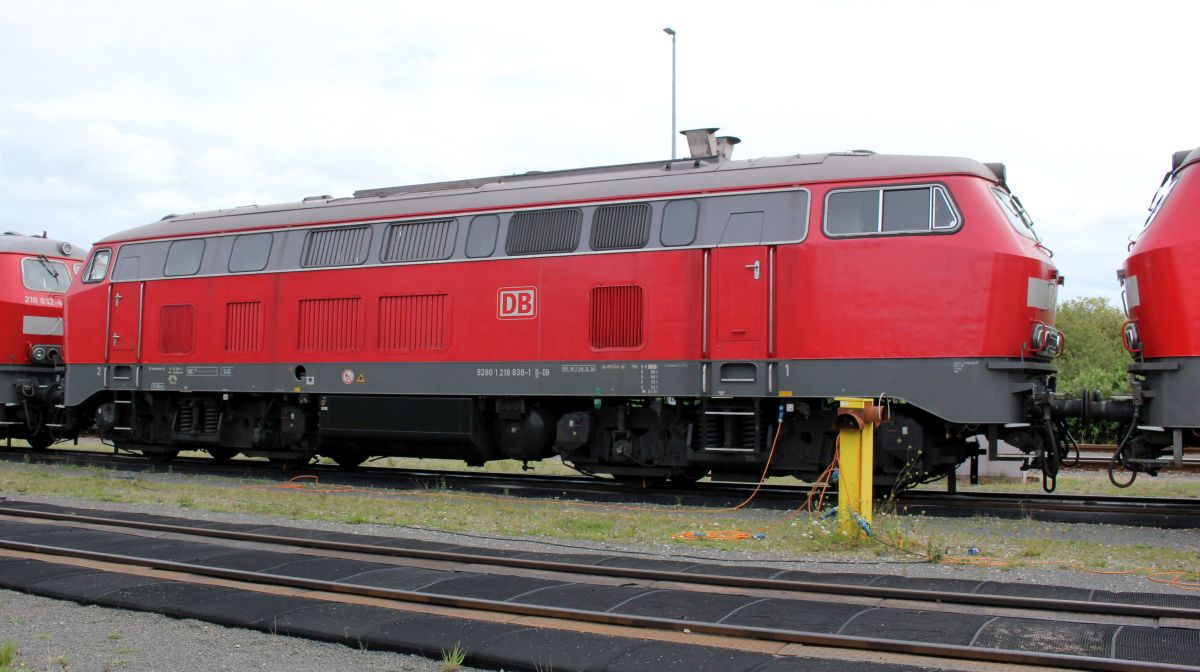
<point>21,244</point>
<point>639,180</point>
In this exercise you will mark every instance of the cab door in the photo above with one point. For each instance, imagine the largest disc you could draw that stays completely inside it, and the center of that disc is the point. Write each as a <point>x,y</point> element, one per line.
<point>125,322</point>
<point>741,285</point>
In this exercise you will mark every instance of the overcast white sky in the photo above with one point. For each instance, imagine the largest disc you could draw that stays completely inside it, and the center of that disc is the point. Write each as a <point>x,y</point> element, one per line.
<point>115,113</point>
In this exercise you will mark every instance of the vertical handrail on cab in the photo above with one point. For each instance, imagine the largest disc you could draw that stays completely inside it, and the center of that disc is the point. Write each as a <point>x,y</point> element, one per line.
<point>141,307</point>
<point>771,301</point>
<point>704,326</point>
<point>771,318</point>
<point>704,310</point>
<point>107,323</point>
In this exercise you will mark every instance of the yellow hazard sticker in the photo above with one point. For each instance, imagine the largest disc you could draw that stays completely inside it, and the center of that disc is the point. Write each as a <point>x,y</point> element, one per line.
<point>362,378</point>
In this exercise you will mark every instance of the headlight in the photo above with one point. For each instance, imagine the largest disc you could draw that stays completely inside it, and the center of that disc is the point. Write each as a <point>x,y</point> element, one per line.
<point>1037,340</point>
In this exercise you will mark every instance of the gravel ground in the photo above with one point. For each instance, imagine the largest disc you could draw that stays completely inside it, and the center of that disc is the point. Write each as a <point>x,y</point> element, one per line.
<point>57,636</point>
<point>54,635</point>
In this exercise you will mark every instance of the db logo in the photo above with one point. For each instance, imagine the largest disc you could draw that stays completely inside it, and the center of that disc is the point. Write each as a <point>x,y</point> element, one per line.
<point>516,303</point>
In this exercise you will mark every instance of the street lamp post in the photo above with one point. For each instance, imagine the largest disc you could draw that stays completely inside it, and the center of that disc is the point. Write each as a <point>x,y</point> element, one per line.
<point>671,32</point>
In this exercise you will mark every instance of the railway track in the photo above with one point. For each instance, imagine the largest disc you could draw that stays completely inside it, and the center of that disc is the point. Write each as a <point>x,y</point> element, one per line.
<point>738,605</point>
<point>1097,456</point>
<point>1119,510</point>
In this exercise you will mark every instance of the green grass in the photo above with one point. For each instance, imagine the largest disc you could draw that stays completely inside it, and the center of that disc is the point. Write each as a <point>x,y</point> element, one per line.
<point>453,659</point>
<point>8,655</point>
<point>1020,542</point>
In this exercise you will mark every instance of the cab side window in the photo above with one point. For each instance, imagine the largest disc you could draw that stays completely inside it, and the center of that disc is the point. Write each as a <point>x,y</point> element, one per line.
<point>98,268</point>
<point>889,210</point>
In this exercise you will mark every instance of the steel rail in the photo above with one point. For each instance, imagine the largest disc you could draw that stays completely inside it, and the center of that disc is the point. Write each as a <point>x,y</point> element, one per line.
<point>1089,503</point>
<point>808,638</point>
<point>733,489</point>
<point>788,585</point>
<point>1181,509</point>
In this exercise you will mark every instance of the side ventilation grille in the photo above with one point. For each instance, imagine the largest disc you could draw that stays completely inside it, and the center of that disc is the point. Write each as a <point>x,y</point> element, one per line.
<point>336,247</point>
<point>177,324</point>
<point>616,317</point>
<point>419,241</point>
<point>543,232</point>
<point>243,326</point>
<point>329,324</point>
<point>412,322</point>
<point>616,227</point>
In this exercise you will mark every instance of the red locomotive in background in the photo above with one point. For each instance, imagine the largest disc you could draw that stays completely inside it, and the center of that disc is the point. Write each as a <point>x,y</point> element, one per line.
<point>37,272</point>
<point>654,320</point>
<point>1161,279</point>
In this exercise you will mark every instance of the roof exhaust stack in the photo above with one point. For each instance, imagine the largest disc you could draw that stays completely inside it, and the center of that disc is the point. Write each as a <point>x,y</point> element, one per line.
<point>725,145</point>
<point>702,142</point>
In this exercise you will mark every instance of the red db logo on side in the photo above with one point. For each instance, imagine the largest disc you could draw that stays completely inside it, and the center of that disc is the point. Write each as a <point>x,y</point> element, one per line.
<point>516,303</point>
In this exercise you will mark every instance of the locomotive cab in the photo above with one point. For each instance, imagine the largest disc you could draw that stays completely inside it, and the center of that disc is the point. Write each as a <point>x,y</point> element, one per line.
<point>1160,278</point>
<point>36,273</point>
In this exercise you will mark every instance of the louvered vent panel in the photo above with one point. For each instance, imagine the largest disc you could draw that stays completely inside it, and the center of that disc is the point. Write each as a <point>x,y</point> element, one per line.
<point>616,317</point>
<point>328,324</point>
<point>617,227</point>
<point>243,326</point>
<point>336,247</point>
<point>543,232</point>
<point>412,322</point>
<point>419,241</point>
<point>176,323</point>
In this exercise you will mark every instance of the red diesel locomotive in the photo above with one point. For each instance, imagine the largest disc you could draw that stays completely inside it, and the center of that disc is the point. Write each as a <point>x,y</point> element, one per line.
<point>37,272</point>
<point>654,320</point>
<point>1161,278</point>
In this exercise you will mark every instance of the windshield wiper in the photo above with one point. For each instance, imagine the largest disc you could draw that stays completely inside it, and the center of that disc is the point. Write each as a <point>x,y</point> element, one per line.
<point>1021,212</point>
<point>47,265</point>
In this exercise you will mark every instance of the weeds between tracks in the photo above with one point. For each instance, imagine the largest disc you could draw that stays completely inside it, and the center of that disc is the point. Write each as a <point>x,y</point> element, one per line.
<point>1023,542</point>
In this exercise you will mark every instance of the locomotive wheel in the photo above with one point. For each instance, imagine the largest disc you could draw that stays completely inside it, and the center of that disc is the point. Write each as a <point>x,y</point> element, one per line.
<point>349,459</point>
<point>640,482</point>
<point>688,476</point>
<point>161,457</point>
<point>222,455</point>
<point>40,441</point>
<point>288,463</point>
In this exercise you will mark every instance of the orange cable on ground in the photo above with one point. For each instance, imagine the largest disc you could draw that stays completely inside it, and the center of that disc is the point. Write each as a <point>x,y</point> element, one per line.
<point>735,535</point>
<point>299,484</point>
<point>822,485</point>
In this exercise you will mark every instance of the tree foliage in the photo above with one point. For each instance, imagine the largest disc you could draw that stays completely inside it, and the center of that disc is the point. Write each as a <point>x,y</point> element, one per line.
<point>1095,358</point>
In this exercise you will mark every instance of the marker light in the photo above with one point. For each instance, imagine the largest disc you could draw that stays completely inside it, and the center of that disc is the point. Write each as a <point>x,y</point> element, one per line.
<point>1131,337</point>
<point>1047,341</point>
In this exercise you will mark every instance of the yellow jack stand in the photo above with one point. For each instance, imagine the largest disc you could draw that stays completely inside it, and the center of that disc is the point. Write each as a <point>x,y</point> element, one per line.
<point>856,420</point>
